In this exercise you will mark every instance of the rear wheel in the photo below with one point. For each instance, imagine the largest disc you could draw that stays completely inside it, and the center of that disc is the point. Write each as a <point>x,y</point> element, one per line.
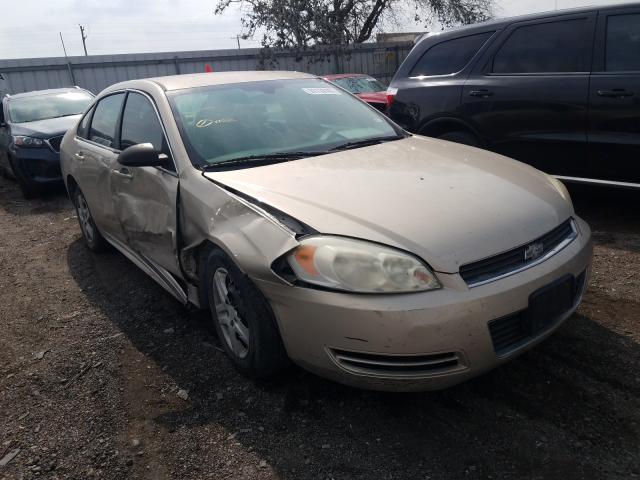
<point>464,138</point>
<point>92,236</point>
<point>243,319</point>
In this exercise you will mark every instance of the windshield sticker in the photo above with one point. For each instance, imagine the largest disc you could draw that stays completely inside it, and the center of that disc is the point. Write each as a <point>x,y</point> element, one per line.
<point>321,91</point>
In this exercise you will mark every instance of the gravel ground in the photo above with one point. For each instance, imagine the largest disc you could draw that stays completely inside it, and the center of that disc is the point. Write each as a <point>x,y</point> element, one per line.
<point>104,375</point>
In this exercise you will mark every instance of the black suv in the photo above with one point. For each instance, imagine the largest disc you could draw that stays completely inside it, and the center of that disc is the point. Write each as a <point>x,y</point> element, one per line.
<point>31,128</point>
<point>558,90</point>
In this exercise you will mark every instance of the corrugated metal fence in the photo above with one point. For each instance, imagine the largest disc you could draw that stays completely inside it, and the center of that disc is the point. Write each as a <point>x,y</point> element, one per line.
<point>96,72</point>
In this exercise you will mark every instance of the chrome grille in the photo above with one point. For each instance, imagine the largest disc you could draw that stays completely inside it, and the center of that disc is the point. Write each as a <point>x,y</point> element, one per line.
<point>55,142</point>
<point>517,259</point>
<point>397,365</point>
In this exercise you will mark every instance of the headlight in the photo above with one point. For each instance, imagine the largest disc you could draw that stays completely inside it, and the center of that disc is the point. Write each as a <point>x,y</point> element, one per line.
<point>26,142</point>
<point>562,190</point>
<point>359,266</point>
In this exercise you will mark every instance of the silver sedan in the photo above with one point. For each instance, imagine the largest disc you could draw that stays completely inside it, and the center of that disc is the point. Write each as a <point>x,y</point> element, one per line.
<point>319,232</point>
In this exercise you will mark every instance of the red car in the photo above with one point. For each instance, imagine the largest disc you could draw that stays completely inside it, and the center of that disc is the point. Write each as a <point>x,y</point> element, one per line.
<point>367,88</point>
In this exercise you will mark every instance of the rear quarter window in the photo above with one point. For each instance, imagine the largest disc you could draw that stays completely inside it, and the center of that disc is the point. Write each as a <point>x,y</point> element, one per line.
<point>623,43</point>
<point>450,56</point>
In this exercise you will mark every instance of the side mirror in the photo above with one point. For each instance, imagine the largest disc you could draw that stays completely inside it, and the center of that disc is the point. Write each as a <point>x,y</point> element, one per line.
<point>142,155</point>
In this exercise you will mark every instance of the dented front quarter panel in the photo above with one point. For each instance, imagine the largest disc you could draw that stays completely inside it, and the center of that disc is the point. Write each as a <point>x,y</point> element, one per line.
<point>251,237</point>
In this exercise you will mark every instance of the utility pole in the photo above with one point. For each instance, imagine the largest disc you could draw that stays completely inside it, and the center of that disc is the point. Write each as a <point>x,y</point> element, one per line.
<point>84,38</point>
<point>237,37</point>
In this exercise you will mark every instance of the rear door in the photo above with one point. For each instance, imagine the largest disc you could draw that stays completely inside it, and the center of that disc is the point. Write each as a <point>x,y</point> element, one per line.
<point>430,80</point>
<point>614,120</point>
<point>145,198</point>
<point>528,96</point>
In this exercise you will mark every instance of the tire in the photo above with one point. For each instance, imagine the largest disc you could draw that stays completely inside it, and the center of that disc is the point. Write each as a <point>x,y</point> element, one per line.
<point>28,192</point>
<point>461,137</point>
<point>242,317</point>
<point>93,239</point>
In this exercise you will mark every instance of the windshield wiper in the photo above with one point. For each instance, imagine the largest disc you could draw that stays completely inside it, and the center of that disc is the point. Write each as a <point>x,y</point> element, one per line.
<point>366,142</point>
<point>261,159</point>
<point>66,115</point>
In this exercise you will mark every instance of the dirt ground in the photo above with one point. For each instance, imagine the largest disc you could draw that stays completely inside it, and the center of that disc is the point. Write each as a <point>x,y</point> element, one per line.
<point>94,357</point>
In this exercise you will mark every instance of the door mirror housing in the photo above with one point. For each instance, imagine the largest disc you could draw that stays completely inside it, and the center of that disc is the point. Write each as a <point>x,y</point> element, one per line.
<point>142,155</point>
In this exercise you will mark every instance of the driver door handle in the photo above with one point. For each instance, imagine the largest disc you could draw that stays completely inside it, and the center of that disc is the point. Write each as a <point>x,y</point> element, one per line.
<point>124,172</point>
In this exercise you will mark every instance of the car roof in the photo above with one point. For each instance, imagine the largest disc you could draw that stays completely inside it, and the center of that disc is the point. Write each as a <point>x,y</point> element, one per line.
<point>194,80</point>
<point>335,76</point>
<point>499,22</point>
<point>51,91</point>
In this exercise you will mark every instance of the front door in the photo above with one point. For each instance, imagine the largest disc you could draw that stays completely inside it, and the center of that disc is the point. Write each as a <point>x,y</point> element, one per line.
<point>528,95</point>
<point>614,119</point>
<point>145,198</point>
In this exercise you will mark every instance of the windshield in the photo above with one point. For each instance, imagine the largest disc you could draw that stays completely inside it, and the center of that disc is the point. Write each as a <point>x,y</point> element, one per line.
<point>226,122</point>
<point>360,84</point>
<point>40,107</point>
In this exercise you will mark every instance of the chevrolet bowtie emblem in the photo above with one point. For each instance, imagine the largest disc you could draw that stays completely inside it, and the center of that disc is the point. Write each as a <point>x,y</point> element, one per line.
<point>534,251</point>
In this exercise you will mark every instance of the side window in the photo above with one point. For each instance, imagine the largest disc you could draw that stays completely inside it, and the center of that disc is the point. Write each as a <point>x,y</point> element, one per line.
<point>140,124</point>
<point>552,47</point>
<point>449,57</point>
<point>105,120</point>
<point>83,127</point>
<point>623,43</point>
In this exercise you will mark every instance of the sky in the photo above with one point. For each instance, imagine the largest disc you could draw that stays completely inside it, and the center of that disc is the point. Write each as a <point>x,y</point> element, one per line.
<point>31,28</point>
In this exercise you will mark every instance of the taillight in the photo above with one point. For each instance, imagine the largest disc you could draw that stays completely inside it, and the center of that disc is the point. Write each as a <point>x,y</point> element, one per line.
<point>391,94</point>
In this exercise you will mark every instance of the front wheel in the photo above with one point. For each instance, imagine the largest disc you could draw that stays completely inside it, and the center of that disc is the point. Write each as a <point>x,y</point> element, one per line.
<point>243,319</point>
<point>93,239</point>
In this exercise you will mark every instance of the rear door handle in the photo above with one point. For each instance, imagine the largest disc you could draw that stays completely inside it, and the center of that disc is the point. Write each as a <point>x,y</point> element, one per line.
<point>615,93</point>
<point>124,172</point>
<point>79,156</point>
<point>483,93</point>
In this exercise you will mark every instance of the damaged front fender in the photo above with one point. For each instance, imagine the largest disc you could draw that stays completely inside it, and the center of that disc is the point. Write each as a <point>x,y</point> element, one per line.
<point>248,233</point>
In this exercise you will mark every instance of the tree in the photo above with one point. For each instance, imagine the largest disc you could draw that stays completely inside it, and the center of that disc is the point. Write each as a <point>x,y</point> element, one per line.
<point>302,24</point>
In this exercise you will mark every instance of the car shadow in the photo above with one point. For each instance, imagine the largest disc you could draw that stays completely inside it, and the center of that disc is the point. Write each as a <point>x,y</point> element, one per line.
<point>607,209</point>
<point>51,200</point>
<point>567,409</point>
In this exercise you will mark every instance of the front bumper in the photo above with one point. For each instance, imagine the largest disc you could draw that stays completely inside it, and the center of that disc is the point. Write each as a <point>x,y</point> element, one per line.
<point>386,342</point>
<point>37,166</point>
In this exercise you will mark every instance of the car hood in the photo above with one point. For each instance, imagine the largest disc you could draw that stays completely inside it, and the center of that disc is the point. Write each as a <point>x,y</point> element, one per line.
<point>50,127</point>
<point>447,203</point>
<point>375,97</point>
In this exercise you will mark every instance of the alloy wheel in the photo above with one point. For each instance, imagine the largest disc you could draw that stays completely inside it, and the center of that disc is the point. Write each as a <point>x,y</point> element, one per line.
<point>234,330</point>
<point>84,215</point>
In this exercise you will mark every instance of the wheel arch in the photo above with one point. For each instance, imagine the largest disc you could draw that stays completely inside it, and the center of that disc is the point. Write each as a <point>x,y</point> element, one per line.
<point>71,185</point>
<point>441,125</point>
